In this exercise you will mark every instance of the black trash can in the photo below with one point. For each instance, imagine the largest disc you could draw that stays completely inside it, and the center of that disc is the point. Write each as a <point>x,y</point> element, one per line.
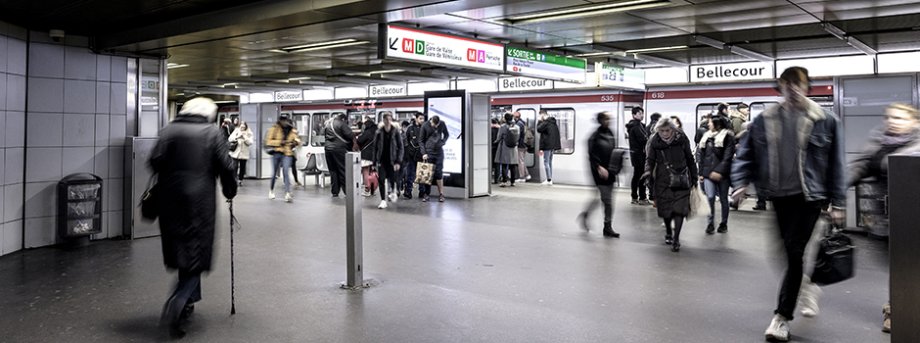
<point>872,208</point>
<point>79,208</point>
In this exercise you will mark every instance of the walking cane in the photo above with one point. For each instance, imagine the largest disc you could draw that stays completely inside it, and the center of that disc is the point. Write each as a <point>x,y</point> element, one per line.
<point>232,284</point>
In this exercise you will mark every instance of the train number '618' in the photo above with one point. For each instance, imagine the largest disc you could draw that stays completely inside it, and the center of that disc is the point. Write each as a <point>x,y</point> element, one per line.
<point>657,95</point>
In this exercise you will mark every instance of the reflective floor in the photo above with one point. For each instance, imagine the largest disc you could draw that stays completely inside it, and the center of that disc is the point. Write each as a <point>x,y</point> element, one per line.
<point>514,267</point>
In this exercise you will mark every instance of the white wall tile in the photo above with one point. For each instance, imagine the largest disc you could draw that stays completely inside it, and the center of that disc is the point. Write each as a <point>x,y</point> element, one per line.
<point>2,200</point>
<point>43,164</point>
<point>2,86</point>
<point>78,160</point>
<point>40,232</point>
<point>14,164</point>
<point>119,69</point>
<point>2,123</point>
<point>115,194</point>
<point>119,99</point>
<point>116,224</point>
<point>103,97</point>
<point>46,60</point>
<point>79,130</point>
<point>116,162</point>
<point>101,162</point>
<point>12,237</point>
<point>103,67</point>
<point>15,93</point>
<point>79,63</point>
<point>104,232</point>
<point>117,126</point>
<point>3,54</point>
<point>41,199</point>
<point>2,166</point>
<point>102,129</point>
<point>46,95</point>
<point>45,130</point>
<point>15,129</point>
<point>79,96</point>
<point>12,202</point>
<point>16,56</point>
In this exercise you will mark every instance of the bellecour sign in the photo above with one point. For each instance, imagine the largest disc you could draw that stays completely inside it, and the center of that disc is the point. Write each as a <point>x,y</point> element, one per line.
<point>387,90</point>
<point>731,72</point>
<point>522,84</point>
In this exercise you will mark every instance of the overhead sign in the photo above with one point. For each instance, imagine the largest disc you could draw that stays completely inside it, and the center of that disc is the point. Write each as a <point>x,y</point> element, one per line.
<point>548,66</point>
<point>387,90</point>
<point>731,72</point>
<point>610,75</point>
<point>437,48</point>
<point>513,84</point>
<point>283,96</point>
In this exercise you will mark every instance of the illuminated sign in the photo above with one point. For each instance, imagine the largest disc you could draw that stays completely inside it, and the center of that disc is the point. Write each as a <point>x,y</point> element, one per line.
<point>387,90</point>
<point>731,72</point>
<point>548,66</point>
<point>610,75</point>
<point>437,48</point>
<point>282,96</point>
<point>511,84</point>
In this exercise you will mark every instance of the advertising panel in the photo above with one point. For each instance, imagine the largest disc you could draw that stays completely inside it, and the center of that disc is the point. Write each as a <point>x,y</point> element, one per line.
<point>547,66</point>
<point>611,75</point>
<point>437,48</point>
<point>450,110</point>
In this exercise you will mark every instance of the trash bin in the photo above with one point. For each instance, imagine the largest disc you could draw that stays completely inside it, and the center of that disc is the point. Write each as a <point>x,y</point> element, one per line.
<point>872,208</point>
<point>79,207</point>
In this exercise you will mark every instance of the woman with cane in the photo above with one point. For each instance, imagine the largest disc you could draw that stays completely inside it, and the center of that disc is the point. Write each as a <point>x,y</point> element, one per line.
<point>188,158</point>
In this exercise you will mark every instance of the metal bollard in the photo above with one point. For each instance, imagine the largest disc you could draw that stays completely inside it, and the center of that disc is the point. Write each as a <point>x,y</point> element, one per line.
<point>353,233</point>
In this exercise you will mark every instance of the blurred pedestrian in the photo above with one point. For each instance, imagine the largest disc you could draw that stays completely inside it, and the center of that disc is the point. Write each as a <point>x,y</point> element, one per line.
<point>601,146</point>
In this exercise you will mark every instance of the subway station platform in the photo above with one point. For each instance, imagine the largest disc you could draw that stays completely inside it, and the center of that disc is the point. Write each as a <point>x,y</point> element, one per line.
<point>514,267</point>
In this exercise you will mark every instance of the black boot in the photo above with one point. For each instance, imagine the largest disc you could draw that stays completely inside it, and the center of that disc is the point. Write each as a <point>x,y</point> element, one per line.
<point>608,231</point>
<point>675,246</point>
<point>710,229</point>
<point>583,220</point>
<point>723,228</point>
<point>667,236</point>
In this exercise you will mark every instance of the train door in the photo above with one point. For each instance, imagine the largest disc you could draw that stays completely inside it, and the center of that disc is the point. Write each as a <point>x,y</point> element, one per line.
<point>529,116</point>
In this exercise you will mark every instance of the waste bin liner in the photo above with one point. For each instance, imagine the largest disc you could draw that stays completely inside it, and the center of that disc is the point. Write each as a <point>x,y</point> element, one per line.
<point>79,205</point>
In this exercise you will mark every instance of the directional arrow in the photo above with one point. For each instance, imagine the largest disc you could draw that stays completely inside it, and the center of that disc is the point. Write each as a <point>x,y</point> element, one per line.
<point>393,42</point>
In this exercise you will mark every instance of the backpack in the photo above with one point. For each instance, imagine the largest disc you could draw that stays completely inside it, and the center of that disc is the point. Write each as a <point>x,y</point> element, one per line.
<point>528,137</point>
<point>514,134</point>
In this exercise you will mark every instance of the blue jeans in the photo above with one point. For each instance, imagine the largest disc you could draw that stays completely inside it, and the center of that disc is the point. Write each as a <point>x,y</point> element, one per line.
<point>284,163</point>
<point>548,164</point>
<point>409,168</point>
<point>719,188</point>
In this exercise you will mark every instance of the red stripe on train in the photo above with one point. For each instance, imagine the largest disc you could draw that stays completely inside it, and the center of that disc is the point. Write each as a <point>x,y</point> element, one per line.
<point>384,104</point>
<point>727,93</point>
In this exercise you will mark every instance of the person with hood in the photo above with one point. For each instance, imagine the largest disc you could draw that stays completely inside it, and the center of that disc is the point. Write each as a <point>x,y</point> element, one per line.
<point>506,155</point>
<point>367,145</point>
<point>388,156</point>
<point>549,143</point>
<point>714,154</point>
<point>243,138</point>
<point>739,116</point>
<point>339,139</point>
<point>282,138</point>
<point>190,155</point>
<point>601,146</point>
<point>638,138</point>
<point>432,138</point>
<point>670,168</point>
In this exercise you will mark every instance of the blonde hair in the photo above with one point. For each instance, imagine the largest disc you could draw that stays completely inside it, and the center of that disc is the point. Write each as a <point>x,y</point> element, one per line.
<point>665,121</point>
<point>900,106</point>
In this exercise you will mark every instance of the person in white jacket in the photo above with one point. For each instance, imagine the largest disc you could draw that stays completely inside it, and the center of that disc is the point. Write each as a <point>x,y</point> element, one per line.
<point>242,136</point>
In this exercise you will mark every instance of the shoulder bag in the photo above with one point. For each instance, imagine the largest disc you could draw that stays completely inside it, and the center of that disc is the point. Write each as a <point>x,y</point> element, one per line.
<point>677,180</point>
<point>835,259</point>
<point>150,207</point>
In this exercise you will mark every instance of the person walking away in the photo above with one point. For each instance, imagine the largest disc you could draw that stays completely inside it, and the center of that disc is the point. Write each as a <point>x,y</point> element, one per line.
<point>549,143</point>
<point>282,138</point>
<point>189,157</point>
<point>900,134</point>
<point>412,153</point>
<point>523,173</point>
<point>432,138</point>
<point>669,162</point>
<point>601,145</point>
<point>794,154</point>
<point>638,137</point>
<point>738,117</point>
<point>339,138</point>
<point>495,127</point>
<point>652,121</point>
<point>715,154</point>
<point>243,138</point>
<point>366,144</point>
<point>676,121</point>
<point>506,155</point>
<point>388,156</point>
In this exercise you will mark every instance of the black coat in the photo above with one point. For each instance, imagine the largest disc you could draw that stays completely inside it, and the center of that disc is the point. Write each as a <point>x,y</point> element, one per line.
<point>431,140</point>
<point>396,145</point>
<point>549,134</point>
<point>638,136</point>
<point>189,156</point>
<point>366,141</point>
<point>716,159</point>
<point>660,154</point>
<point>335,129</point>
<point>600,147</point>
<point>410,144</point>
<point>494,139</point>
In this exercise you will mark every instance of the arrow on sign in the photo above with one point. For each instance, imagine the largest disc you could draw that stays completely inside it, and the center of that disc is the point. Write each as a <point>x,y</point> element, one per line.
<point>393,42</point>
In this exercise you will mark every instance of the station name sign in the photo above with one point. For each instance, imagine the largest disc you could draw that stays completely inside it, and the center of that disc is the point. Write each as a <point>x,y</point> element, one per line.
<point>283,96</point>
<point>512,84</point>
<point>437,48</point>
<point>731,72</point>
<point>548,66</point>
<point>387,90</point>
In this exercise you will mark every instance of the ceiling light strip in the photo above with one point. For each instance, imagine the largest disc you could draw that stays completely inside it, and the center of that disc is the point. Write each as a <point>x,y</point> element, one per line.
<point>340,41</point>
<point>578,9</point>
<point>665,48</point>
<point>588,13</point>
<point>326,47</point>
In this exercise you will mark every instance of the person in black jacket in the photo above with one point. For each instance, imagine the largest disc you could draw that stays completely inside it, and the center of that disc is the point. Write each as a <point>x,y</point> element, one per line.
<point>549,143</point>
<point>652,121</point>
<point>601,145</point>
<point>496,167</point>
<point>339,140</point>
<point>638,138</point>
<point>669,157</point>
<point>412,153</point>
<point>432,138</point>
<point>366,144</point>
<point>388,155</point>
<point>189,156</point>
<point>715,154</point>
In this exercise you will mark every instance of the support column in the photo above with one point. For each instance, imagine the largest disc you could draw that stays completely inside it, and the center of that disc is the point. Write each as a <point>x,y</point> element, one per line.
<point>353,230</point>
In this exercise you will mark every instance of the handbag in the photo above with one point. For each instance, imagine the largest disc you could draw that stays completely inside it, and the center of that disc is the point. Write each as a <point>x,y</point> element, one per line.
<point>372,181</point>
<point>424,171</point>
<point>677,180</point>
<point>835,259</point>
<point>234,145</point>
<point>616,161</point>
<point>696,202</point>
<point>150,207</point>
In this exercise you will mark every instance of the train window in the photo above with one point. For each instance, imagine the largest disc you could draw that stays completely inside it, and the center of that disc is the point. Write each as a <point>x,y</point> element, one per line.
<point>758,107</point>
<point>301,123</point>
<point>565,119</point>
<point>317,125</point>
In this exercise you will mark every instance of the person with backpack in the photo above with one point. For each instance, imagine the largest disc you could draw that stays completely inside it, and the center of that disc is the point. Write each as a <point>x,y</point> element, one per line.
<point>549,143</point>
<point>522,146</point>
<point>507,155</point>
<point>604,167</point>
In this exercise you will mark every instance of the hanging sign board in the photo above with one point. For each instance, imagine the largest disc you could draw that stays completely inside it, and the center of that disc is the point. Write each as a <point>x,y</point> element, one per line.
<point>548,66</point>
<point>731,72</point>
<point>611,75</point>
<point>380,91</point>
<point>283,96</point>
<point>513,84</point>
<point>438,48</point>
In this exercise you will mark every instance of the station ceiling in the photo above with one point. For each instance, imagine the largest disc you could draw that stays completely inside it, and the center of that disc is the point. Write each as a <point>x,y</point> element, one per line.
<point>234,43</point>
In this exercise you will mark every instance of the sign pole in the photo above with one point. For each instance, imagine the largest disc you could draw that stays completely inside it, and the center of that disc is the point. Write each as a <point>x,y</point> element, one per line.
<point>353,230</point>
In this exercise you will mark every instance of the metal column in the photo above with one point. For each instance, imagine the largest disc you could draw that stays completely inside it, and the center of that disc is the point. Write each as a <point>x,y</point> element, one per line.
<point>353,233</point>
<point>903,197</point>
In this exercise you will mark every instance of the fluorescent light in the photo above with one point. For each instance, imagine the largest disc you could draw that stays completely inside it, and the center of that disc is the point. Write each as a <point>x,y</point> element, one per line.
<point>859,45</point>
<point>592,54</point>
<point>665,48</point>
<point>750,54</point>
<point>387,71</point>
<point>224,102</point>
<point>312,45</point>
<point>587,11</point>
<point>661,61</point>
<point>175,65</point>
<point>299,78</point>
<point>321,47</point>
<point>709,41</point>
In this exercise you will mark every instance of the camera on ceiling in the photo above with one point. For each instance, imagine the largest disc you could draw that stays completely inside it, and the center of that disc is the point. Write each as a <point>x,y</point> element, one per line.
<point>56,35</point>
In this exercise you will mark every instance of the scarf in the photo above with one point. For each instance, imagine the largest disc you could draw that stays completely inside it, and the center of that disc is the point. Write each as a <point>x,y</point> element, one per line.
<point>891,140</point>
<point>720,138</point>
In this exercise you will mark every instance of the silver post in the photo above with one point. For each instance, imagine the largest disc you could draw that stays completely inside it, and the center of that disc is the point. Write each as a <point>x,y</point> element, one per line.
<point>354,184</point>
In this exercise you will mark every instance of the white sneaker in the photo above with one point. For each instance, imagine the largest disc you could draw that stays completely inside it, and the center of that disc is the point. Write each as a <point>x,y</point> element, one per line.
<point>527,178</point>
<point>288,197</point>
<point>545,183</point>
<point>549,182</point>
<point>778,329</point>
<point>393,197</point>
<point>366,193</point>
<point>808,298</point>
<point>271,194</point>
<point>383,204</point>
